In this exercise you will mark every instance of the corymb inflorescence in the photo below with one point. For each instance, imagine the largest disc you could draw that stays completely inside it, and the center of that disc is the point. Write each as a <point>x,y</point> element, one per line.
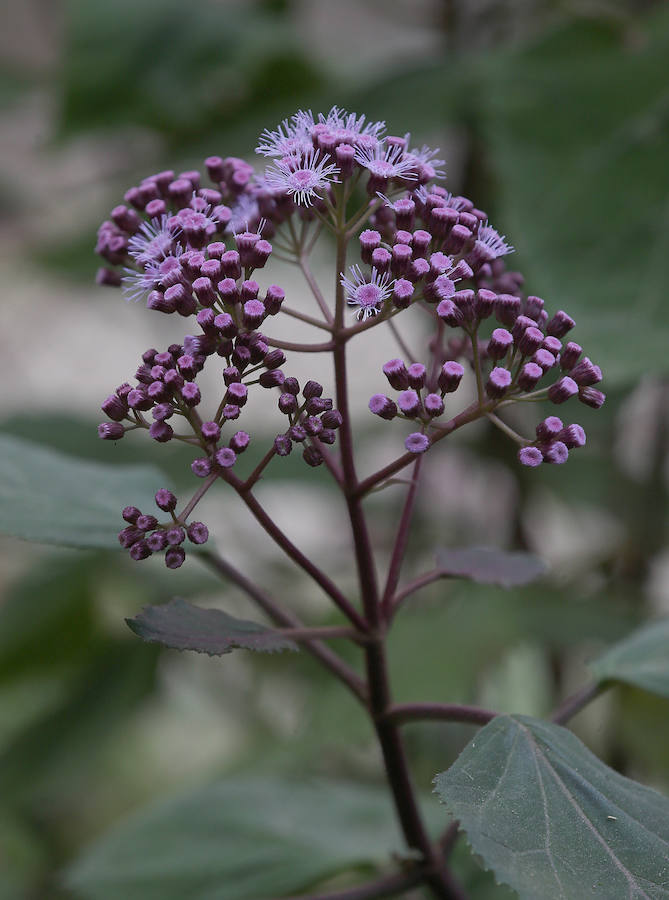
<point>198,246</point>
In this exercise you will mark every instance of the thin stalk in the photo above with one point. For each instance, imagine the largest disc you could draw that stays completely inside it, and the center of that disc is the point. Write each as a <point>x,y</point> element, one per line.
<point>519,439</point>
<point>283,541</point>
<point>447,840</point>
<point>356,222</point>
<point>578,701</point>
<point>303,317</point>
<point>286,618</point>
<point>541,394</point>
<point>401,541</point>
<point>401,343</point>
<point>443,712</point>
<point>477,366</point>
<point>315,290</point>
<point>467,415</point>
<point>259,469</point>
<point>330,463</point>
<point>385,316</point>
<point>420,582</point>
<point>326,347</point>
<point>197,496</point>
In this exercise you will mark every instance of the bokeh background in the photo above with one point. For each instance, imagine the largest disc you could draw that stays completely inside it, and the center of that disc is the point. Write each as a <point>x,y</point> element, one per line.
<point>554,117</point>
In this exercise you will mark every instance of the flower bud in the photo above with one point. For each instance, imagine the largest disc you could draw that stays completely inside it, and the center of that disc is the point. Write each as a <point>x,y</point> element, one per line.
<point>450,376</point>
<point>562,390</point>
<point>498,383</point>
<point>383,406</point>
<point>396,373</point>
<point>417,442</point>
<point>165,500</point>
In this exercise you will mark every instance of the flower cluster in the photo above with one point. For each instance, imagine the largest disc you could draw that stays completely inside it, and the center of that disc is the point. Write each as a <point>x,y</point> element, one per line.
<point>453,263</point>
<point>194,250</point>
<point>144,535</point>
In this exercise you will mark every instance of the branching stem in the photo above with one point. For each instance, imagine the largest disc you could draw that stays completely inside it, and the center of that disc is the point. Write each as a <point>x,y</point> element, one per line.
<point>285,618</point>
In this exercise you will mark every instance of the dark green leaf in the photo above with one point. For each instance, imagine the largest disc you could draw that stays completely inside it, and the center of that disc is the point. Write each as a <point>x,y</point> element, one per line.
<point>552,821</point>
<point>242,839</point>
<point>487,566</point>
<point>182,626</point>
<point>184,76</point>
<point>642,659</point>
<point>576,130</point>
<point>53,599</point>
<point>55,499</point>
<point>102,695</point>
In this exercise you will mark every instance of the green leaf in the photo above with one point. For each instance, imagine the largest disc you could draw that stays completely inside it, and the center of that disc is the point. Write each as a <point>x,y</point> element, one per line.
<point>182,626</point>
<point>102,695</point>
<point>575,128</point>
<point>552,821</point>
<point>487,566</point>
<point>642,659</point>
<point>55,499</point>
<point>188,81</point>
<point>242,839</point>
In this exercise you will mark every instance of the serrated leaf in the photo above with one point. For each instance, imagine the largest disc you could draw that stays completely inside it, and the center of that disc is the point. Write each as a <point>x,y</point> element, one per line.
<point>182,626</point>
<point>51,498</point>
<point>642,659</point>
<point>552,821</point>
<point>241,839</point>
<point>487,566</point>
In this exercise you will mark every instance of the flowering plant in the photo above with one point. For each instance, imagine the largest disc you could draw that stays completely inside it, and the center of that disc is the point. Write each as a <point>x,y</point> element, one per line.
<point>527,793</point>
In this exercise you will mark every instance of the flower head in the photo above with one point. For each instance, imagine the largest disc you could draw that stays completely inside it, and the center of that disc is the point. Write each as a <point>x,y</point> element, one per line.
<point>154,241</point>
<point>368,296</point>
<point>157,273</point>
<point>386,162</point>
<point>291,138</point>
<point>303,177</point>
<point>350,128</point>
<point>490,244</point>
<point>425,161</point>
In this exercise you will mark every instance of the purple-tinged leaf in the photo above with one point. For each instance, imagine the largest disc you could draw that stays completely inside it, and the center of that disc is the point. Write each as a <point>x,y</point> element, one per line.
<point>182,626</point>
<point>487,566</point>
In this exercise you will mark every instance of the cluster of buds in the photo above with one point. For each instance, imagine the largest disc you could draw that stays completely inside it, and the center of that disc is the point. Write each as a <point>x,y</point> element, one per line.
<point>313,421</point>
<point>145,535</point>
<point>192,250</point>
<point>453,264</point>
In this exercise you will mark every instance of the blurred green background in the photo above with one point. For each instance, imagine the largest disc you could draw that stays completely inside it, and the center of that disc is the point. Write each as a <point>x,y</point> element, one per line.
<point>554,117</point>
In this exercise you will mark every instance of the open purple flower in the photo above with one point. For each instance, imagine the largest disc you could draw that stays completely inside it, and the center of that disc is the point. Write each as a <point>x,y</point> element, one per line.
<point>292,137</point>
<point>368,296</point>
<point>386,162</point>
<point>304,177</point>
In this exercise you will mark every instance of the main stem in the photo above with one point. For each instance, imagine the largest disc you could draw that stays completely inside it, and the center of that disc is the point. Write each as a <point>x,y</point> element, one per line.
<point>380,699</point>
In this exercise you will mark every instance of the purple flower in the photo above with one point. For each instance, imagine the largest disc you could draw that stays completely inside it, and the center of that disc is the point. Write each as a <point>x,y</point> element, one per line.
<point>291,137</point>
<point>425,162</point>
<point>350,128</point>
<point>154,241</point>
<point>489,244</point>
<point>386,162</point>
<point>368,296</point>
<point>303,177</point>
<point>163,273</point>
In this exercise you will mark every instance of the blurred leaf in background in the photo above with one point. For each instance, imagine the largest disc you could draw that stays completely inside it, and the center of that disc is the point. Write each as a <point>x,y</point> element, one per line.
<point>556,122</point>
